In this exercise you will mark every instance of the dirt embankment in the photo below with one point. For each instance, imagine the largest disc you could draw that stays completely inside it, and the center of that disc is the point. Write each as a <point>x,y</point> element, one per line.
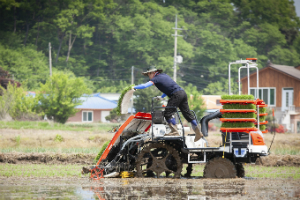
<point>279,160</point>
<point>87,159</point>
<point>47,158</point>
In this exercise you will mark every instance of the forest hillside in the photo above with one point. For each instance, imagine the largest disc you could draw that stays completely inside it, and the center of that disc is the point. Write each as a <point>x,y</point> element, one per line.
<point>101,40</point>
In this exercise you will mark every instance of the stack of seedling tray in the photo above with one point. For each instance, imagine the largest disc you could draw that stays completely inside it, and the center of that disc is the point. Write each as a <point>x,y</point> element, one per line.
<point>240,113</point>
<point>262,115</point>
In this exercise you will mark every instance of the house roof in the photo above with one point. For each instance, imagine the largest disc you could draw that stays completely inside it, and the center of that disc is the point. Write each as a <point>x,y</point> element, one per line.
<point>96,102</point>
<point>288,70</point>
<point>292,71</point>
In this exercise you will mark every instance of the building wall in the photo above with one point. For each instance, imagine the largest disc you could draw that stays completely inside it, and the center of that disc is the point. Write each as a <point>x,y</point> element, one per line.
<point>96,115</point>
<point>294,120</point>
<point>76,118</point>
<point>272,78</point>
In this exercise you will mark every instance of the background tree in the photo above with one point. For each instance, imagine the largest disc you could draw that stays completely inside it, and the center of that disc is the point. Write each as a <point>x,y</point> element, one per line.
<point>60,95</point>
<point>143,100</point>
<point>196,103</point>
<point>102,39</point>
<point>15,103</point>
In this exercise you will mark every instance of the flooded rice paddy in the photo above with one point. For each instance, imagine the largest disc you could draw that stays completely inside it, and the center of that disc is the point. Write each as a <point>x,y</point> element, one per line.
<point>138,188</point>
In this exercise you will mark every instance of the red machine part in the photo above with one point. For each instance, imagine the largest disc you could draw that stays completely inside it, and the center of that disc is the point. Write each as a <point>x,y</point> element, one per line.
<point>237,119</point>
<point>96,173</point>
<point>238,129</point>
<point>237,110</point>
<point>139,115</point>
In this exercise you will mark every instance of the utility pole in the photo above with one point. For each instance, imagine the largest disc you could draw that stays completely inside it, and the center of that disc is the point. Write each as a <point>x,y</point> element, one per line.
<point>50,59</point>
<point>132,82</point>
<point>175,48</point>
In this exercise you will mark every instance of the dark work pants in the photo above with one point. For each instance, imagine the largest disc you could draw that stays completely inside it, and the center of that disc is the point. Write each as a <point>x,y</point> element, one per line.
<point>179,99</point>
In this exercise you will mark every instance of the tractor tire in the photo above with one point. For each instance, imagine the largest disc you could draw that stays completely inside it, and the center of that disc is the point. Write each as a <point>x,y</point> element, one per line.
<point>240,170</point>
<point>189,170</point>
<point>156,159</point>
<point>219,168</point>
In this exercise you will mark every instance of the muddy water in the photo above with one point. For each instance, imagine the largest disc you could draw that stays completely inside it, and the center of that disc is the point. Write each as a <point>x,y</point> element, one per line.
<point>197,188</point>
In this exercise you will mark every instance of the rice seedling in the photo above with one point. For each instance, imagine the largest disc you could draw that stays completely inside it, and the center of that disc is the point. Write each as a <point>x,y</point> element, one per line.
<point>237,124</point>
<point>237,97</point>
<point>239,106</point>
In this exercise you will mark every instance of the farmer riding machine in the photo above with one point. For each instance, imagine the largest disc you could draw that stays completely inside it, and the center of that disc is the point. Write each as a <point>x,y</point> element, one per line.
<point>141,147</point>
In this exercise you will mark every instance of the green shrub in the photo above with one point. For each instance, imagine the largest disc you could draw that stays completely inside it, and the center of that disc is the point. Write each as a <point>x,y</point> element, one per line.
<point>101,151</point>
<point>18,140</point>
<point>58,138</point>
<point>19,106</point>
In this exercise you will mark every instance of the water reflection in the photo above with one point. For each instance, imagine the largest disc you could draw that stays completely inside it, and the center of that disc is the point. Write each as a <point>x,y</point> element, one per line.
<point>150,188</point>
<point>165,189</point>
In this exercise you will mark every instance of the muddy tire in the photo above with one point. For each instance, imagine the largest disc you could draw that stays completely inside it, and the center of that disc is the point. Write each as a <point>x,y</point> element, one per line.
<point>240,170</point>
<point>156,159</point>
<point>189,170</point>
<point>219,168</point>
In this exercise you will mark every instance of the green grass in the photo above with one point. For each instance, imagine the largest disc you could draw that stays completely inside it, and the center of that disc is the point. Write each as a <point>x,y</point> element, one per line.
<point>272,172</point>
<point>43,170</point>
<point>256,171</point>
<point>93,150</point>
<point>56,126</point>
<point>284,151</point>
<point>39,171</point>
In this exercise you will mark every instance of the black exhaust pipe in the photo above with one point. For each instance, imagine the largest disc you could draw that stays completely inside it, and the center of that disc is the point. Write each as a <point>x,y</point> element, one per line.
<point>204,121</point>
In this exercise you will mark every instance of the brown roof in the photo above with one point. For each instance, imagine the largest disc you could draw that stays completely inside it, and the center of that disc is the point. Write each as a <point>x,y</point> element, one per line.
<point>292,71</point>
<point>289,70</point>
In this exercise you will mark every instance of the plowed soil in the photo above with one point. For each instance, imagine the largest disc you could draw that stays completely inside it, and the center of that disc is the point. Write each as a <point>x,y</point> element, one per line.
<point>49,158</point>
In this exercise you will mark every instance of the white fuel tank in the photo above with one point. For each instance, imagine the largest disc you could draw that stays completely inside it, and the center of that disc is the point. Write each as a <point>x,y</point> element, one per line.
<point>159,130</point>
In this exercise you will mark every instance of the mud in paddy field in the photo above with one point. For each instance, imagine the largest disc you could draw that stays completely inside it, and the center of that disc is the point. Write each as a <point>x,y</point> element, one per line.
<point>137,188</point>
<point>87,159</point>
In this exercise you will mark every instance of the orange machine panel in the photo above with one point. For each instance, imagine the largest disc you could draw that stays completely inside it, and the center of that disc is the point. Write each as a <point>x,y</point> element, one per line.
<point>257,139</point>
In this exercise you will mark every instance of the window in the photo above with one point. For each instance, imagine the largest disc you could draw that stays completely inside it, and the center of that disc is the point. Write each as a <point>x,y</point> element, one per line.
<point>266,94</point>
<point>87,116</point>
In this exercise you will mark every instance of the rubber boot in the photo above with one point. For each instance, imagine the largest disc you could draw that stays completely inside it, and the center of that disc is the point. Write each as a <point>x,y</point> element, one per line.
<point>174,131</point>
<point>199,135</point>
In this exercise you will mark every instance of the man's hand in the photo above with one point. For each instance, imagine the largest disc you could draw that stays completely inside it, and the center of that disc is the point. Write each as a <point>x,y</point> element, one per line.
<point>158,98</point>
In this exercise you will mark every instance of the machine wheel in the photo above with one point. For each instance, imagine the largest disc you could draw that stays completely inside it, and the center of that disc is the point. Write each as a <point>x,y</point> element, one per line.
<point>240,170</point>
<point>189,170</point>
<point>219,168</point>
<point>157,158</point>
